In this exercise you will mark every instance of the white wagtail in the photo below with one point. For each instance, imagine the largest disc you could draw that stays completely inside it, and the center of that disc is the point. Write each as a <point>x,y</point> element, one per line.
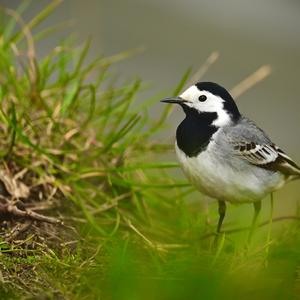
<point>224,154</point>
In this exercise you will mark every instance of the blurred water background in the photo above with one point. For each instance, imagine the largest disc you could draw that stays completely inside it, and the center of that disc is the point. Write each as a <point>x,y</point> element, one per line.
<point>178,34</point>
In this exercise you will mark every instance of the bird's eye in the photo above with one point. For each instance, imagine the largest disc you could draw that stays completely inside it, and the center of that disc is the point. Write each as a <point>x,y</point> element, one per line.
<point>202,98</point>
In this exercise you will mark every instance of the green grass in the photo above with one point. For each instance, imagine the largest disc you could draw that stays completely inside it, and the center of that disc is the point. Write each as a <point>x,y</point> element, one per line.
<point>76,144</point>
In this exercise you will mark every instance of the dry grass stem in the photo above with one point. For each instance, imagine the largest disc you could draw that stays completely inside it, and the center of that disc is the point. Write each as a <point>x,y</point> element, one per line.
<point>258,76</point>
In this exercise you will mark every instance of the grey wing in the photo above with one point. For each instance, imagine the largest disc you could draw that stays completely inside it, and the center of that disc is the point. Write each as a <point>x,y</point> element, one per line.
<point>253,145</point>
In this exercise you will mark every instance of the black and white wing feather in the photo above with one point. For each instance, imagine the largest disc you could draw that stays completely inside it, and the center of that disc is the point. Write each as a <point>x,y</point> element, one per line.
<point>268,156</point>
<point>252,144</point>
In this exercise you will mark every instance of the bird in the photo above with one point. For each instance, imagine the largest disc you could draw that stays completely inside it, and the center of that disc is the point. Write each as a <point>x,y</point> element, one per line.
<point>224,154</point>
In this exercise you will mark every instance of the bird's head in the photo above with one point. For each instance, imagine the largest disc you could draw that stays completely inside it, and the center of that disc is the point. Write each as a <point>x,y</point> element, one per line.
<point>208,98</point>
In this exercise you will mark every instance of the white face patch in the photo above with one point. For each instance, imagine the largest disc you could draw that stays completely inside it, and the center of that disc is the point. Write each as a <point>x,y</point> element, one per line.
<point>213,103</point>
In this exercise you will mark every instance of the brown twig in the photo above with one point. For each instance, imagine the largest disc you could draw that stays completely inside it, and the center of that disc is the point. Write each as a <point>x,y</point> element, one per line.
<point>213,57</point>
<point>12,210</point>
<point>259,75</point>
<point>17,230</point>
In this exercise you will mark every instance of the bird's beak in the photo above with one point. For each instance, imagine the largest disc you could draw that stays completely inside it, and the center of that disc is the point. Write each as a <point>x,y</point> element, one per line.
<point>177,100</point>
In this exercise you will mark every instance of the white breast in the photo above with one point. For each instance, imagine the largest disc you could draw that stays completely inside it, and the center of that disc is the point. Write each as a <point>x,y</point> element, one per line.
<point>218,178</point>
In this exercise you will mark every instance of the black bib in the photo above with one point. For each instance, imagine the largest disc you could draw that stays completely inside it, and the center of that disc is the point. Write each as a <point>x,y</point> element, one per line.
<point>195,131</point>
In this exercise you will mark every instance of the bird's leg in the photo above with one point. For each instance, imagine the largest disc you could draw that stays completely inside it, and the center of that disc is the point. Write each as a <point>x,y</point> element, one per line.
<point>257,208</point>
<point>270,220</point>
<point>222,211</point>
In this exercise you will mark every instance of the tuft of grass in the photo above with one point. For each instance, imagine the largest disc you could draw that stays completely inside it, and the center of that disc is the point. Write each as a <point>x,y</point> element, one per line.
<point>74,147</point>
<point>88,207</point>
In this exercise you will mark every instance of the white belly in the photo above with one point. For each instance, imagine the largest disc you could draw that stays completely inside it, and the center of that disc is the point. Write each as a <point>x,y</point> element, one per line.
<point>213,177</point>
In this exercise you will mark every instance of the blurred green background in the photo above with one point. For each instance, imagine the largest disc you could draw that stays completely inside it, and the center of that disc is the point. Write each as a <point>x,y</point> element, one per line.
<point>179,34</point>
<point>175,35</point>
